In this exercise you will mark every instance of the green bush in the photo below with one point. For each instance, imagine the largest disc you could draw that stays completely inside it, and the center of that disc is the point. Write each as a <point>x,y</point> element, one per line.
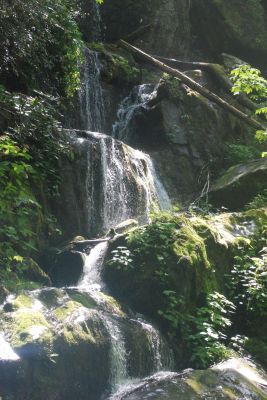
<point>240,153</point>
<point>40,45</point>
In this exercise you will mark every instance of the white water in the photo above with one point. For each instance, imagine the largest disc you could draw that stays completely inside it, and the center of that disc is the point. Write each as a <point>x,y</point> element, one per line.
<point>118,355</point>
<point>111,182</point>
<point>93,262</point>
<point>91,100</point>
<point>133,104</point>
<point>155,342</point>
<point>6,351</point>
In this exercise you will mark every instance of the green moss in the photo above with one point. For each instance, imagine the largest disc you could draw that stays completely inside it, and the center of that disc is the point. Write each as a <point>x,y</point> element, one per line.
<point>22,301</point>
<point>117,65</point>
<point>21,325</point>
<point>16,283</point>
<point>172,87</point>
<point>190,245</point>
<point>66,310</point>
<point>112,305</point>
<point>84,299</point>
<point>77,334</point>
<point>96,46</point>
<point>50,297</point>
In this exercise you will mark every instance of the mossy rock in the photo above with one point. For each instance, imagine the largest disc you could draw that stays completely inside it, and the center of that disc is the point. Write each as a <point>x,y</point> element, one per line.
<point>239,184</point>
<point>234,380</point>
<point>117,66</point>
<point>187,254</point>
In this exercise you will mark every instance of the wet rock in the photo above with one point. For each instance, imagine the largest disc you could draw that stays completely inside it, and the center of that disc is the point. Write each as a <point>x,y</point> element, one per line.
<point>240,184</point>
<point>68,268</point>
<point>126,226</point>
<point>235,379</point>
<point>66,344</point>
<point>35,273</point>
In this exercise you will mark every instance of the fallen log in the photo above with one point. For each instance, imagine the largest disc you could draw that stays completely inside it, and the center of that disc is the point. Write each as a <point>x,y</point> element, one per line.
<point>194,85</point>
<point>216,70</point>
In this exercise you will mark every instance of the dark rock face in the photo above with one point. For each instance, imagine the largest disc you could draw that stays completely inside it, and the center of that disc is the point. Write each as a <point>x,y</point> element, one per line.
<point>237,27</point>
<point>67,269</point>
<point>170,28</point>
<point>183,132</point>
<point>240,184</point>
<point>202,27</point>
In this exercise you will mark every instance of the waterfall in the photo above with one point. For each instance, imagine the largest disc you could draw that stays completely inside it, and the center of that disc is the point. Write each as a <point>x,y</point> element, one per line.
<point>133,105</point>
<point>107,183</point>
<point>88,109</point>
<point>118,355</point>
<point>6,352</point>
<point>92,267</point>
<point>91,101</point>
<point>91,282</point>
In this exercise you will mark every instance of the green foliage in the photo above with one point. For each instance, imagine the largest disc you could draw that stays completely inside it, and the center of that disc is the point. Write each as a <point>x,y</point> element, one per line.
<point>121,258</point>
<point>259,201</point>
<point>203,332</point>
<point>210,326</point>
<point>33,124</point>
<point>248,80</point>
<point>248,282</point>
<point>40,45</point>
<point>18,205</point>
<point>126,72</point>
<point>174,312</point>
<point>240,153</point>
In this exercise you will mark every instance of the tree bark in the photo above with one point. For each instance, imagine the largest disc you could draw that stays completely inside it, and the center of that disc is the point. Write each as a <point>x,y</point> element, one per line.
<point>194,85</point>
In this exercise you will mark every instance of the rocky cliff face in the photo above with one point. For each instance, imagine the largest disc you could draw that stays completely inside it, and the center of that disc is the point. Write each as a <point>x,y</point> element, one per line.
<point>181,28</point>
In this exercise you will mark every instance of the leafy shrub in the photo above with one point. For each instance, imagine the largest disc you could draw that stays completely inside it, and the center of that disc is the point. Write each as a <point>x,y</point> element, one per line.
<point>18,206</point>
<point>248,80</point>
<point>33,124</point>
<point>121,258</point>
<point>240,153</point>
<point>40,45</point>
<point>210,326</point>
<point>248,282</point>
<point>260,200</point>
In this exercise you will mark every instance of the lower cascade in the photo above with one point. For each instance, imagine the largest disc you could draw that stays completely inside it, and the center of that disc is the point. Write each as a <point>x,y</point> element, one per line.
<point>53,323</point>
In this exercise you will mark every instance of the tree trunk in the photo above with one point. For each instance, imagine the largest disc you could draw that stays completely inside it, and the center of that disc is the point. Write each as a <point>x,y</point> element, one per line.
<point>194,85</point>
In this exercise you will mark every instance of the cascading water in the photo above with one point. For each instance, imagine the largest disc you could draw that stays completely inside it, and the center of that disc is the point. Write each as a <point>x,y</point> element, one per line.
<point>89,107</point>
<point>104,183</point>
<point>91,282</point>
<point>133,105</point>
<point>91,101</point>
<point>107,183</point>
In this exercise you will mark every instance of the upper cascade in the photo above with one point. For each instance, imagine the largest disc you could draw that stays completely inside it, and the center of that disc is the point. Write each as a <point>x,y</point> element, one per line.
<point>89,109</point>
<point>107,183</point>
<point>129,109</point>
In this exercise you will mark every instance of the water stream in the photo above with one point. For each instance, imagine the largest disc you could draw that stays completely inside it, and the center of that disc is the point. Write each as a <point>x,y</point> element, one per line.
<point>104,183</point>
<point>107,183</point>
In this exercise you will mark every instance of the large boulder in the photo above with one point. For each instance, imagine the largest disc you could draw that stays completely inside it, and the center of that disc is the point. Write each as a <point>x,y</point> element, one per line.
<point>235,379</point>
<point>240,184</point>
<point>65,343</point>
